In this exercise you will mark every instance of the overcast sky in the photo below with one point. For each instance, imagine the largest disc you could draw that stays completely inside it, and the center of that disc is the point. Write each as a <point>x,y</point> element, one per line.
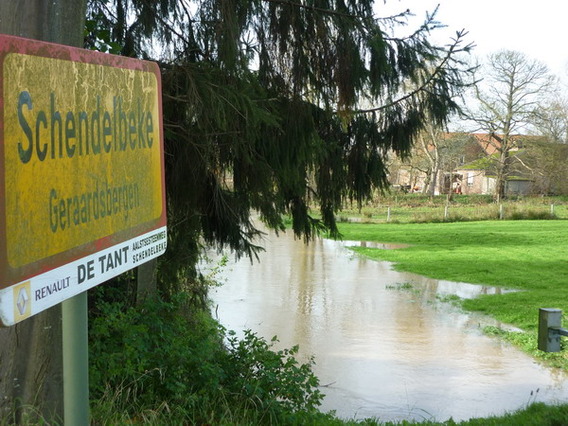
<point>537,28</point>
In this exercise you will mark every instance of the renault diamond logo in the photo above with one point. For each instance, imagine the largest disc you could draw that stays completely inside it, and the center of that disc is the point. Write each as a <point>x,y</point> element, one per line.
<point>22,301</point>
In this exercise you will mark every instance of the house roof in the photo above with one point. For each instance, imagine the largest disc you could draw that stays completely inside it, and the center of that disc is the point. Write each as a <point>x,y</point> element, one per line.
<point>488,142</point>
<point>491,142</point>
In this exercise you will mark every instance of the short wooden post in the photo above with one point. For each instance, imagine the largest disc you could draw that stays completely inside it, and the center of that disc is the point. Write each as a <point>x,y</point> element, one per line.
<point>446,212</point>
<point>549,319</point>
<point>552,210</point>
<point>501,212</point>
<point>388,214</point>
<point>147,280</point>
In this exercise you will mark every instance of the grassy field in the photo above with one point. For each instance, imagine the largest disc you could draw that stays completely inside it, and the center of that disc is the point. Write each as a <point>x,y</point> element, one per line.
<point>527,255</point>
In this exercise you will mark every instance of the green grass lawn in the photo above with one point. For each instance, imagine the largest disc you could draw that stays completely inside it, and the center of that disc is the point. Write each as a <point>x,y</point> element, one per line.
<point>530,255</point>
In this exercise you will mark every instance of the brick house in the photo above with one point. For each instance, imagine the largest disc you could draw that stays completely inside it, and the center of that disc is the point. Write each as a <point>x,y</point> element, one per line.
<point>472,171</point>
<point>478,177</point>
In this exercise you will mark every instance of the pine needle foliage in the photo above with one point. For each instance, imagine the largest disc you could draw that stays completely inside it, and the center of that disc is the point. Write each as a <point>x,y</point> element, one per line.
<point>276,105</point>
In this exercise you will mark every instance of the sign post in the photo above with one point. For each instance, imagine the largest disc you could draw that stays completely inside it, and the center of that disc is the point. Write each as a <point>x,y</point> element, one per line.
<point>82,189</point>
<point>75,360</point>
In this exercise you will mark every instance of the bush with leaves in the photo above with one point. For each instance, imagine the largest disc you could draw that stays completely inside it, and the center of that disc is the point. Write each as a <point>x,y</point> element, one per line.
<point>156,354</point>
<point>274,379</point>
<point>154,349</point>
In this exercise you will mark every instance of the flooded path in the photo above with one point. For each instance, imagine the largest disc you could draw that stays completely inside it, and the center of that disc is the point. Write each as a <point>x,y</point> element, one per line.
<point>385,346</point>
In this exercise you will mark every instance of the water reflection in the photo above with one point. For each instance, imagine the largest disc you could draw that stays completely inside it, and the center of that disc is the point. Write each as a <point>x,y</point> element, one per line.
<point>374,244</point>
<point>383,348</point>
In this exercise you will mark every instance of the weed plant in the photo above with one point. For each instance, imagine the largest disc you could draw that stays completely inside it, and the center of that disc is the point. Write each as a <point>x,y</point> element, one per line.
<point>26,415</point>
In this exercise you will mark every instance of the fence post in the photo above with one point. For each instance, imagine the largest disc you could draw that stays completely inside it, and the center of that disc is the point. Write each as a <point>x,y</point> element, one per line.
<point>501,212</point>
<point>549,340</point>
<point>388,214</point>
<point>552,209</point>
<point>446,212</point>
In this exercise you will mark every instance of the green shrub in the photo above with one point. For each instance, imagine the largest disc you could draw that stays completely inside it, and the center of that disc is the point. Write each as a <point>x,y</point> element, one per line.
<point>472,199</point>
<point>530,214</point>
<point>156,361</point>
<point>154,349</point>
<point>275,380</point>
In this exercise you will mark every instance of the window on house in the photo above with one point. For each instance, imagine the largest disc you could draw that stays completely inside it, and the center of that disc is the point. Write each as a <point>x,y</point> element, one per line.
<point>469,179</point>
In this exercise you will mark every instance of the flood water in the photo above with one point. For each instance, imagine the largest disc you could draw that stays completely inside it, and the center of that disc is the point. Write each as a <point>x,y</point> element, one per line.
<point>385,345</point>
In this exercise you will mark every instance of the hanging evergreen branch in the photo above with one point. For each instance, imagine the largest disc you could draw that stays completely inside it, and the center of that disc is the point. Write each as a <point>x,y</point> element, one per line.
<point>263,107</point>
<point>314,8</point>
<point>440,68</point>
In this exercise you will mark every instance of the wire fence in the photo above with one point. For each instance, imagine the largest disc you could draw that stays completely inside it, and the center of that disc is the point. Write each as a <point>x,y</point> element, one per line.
<point>438,212</point>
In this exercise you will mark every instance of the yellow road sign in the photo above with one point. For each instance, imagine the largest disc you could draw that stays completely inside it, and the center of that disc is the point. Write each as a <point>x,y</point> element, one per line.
<point>81,155</point>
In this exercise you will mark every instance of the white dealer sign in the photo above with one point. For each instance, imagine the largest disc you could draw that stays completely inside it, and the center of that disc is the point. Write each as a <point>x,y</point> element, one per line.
<point>27,298</point>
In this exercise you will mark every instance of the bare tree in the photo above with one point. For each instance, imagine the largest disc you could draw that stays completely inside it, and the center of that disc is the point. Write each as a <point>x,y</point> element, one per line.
<point>546,161</point>
<point>444,152</point>
<point>508,97</point>
<point>551,120</point>
<point>430,144</point>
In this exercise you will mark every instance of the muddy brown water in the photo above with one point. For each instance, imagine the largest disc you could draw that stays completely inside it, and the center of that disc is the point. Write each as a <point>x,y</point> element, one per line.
<point>385,345</point>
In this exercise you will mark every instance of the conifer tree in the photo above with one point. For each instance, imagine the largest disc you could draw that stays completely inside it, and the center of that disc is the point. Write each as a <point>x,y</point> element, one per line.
<point>274,106</point>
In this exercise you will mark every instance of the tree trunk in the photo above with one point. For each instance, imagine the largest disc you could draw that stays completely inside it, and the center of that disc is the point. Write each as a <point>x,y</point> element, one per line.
<point>31,366</point>
<point>502,174</point>
<point>31,369</point>
<point>433,180</point>
<point>432,153</point>
<point>57,21</point>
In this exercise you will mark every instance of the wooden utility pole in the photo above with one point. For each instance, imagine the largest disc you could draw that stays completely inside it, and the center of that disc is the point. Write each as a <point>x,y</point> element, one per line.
<point>31,366</point>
